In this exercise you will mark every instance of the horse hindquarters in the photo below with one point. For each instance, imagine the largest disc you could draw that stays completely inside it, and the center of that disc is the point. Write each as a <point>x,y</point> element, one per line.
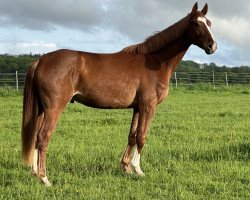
<point>32,123</point>
<point>50,89</point>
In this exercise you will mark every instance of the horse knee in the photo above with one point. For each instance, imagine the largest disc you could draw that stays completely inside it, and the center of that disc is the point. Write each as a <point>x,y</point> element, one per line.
<point>140,140</point>
<point>42,141</point>
<point>44,135</point>
<point>132,138</point>
<point>41,144</point>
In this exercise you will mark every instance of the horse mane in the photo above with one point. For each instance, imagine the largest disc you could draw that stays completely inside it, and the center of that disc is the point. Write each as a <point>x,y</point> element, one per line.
<point>160,39</point>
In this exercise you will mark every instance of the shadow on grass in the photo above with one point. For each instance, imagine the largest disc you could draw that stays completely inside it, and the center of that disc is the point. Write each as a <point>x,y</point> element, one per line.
<point>12,171</point>
<point>87,166</point>
<point>240,152</point>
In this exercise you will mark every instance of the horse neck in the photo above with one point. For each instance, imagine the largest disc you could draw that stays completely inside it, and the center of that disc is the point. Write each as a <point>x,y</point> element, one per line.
<point>172,54</point>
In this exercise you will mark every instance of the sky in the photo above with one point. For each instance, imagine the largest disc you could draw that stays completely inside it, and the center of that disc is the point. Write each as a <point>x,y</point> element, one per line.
<point>106,26</point>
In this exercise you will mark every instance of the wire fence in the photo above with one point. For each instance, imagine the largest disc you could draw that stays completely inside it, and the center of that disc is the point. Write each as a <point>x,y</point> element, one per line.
<point>212,78</point>
<point>16,80</point>
<point>12,80</point>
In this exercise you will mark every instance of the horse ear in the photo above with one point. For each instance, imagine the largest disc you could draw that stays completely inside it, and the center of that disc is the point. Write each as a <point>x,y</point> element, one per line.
<point>205,9</point>
<point>195,8</point>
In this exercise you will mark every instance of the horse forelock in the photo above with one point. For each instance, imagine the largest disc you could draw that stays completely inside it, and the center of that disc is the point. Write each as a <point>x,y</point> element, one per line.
<point>160,39</point>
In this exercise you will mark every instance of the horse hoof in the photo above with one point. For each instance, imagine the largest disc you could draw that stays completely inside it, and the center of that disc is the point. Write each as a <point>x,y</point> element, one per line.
<point>138,171</point>
<point>128,173</point>
<point>33,173</point>
<point>46,181</point>
<point>141,174</point>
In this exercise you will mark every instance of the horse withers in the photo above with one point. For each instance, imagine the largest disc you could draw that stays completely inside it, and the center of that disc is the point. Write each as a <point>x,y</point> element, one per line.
<point>136,77</point>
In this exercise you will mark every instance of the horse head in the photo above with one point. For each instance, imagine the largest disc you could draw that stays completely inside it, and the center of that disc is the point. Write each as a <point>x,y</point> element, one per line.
<point>199,30</point>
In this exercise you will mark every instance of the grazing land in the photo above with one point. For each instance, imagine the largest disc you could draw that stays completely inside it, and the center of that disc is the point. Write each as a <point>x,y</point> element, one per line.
<point>198,148</point>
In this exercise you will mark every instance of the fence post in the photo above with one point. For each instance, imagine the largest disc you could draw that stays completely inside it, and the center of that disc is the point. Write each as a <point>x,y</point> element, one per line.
<point>213,80</point>
<point>175,77</point>
<point>16,81</point>
<point>226,79</point>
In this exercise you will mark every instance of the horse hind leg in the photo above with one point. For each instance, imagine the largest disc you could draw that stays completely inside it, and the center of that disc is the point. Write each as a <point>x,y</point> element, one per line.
<point>35,154</point>
<point>48,125</point>
<point>44,179</point>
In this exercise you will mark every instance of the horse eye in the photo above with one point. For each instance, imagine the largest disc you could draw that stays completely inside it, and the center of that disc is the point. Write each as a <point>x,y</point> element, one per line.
<point>209,23</point>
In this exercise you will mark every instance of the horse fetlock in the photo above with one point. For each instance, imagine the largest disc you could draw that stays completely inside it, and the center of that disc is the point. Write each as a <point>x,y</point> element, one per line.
<point>135,162</point>
<point>45,181</point>
<point>136,167</point>
<point>126,167</point>
<point>138,170</point>
<point>34,171</point>
<point>35,160</point>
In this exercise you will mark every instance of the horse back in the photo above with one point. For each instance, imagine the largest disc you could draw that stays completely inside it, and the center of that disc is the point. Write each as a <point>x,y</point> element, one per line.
<point>97,80</point>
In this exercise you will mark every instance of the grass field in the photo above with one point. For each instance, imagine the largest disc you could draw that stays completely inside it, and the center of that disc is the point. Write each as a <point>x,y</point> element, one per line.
<point>198,148</point>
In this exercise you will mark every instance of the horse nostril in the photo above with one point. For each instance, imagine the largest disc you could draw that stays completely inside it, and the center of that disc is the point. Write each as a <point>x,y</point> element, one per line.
<point>210,46</point>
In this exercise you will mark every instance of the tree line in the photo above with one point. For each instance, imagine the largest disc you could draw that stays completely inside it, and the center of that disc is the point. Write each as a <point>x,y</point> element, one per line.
<point>12,63</point>
<point>191,66</point>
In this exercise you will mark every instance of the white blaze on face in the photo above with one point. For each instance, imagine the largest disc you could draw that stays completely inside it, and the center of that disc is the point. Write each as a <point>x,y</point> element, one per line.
<point>204,20</point>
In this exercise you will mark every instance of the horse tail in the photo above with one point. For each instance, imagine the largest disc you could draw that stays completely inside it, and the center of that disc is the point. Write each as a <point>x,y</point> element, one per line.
<point>29,121</point>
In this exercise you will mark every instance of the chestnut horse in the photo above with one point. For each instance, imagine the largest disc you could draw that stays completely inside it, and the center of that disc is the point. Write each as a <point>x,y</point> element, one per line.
<point>136,77</point>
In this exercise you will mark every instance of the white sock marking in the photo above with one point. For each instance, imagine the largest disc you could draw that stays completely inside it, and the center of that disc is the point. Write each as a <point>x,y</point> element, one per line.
<point>136,158</point>
<point>46,181</point>
<point>135,162</point>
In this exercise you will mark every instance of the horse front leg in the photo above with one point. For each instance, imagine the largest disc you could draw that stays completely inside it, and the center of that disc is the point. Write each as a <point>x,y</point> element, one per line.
<point>125,162</point>
<point>145,116</point>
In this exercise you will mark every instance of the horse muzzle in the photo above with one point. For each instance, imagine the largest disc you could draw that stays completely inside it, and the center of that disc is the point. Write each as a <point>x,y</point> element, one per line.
<point>211,48</point>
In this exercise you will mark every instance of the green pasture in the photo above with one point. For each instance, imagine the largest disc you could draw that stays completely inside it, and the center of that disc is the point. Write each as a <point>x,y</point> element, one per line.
<point>197,148</point>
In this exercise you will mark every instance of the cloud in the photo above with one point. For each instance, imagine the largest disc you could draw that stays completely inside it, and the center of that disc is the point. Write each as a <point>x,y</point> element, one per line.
<point>234,29</point>
<point>131,18</point>
<point>227,54</point>
<point>107,22</point>
<point>228,8</point>
<point>35,44</point>
<point>46,14</point>
<point>36,47</point>
<point>139,19</point>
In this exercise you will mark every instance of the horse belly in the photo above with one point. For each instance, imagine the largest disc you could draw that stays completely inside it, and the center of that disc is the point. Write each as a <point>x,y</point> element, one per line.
<point>106,98</point>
